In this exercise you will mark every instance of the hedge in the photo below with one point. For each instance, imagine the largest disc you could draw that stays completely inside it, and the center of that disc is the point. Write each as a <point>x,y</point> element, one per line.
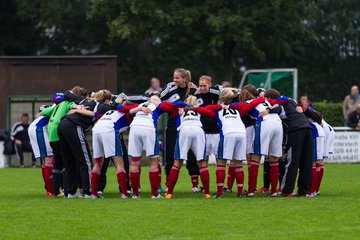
<point>331,112</point>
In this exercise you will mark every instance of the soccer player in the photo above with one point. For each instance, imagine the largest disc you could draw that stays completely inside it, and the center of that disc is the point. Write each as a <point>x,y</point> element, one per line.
<point>267,140</point>
<point>328,149</point>
<point>190,136</point>
<point>55,114</point>
<point>179,90</point>
<point>41,148</point>
<point>106,143</point>
<point>144,136</point>
<point>74,145</point>
<point>208,94</point>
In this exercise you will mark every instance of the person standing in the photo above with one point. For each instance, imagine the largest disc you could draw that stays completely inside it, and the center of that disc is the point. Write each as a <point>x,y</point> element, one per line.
<point>179,90</point>
<point>354,118</point>
<point>20,135</point>
<point>350,103</point>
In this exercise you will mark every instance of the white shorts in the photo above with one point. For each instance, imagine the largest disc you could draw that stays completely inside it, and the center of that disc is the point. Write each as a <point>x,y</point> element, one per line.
<point>250,134</point>
<point>232,146</point>
<point>142,138</point>
<point>318,148</point>
<point>106,144</point>
<point>39,141</point>
<point>329,140</point>
<point>190,138</point>
<point>212,143</point>
<point>268,138</point>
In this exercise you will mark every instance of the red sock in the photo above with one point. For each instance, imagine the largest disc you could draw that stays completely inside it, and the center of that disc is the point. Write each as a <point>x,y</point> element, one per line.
<point>254,174</point>
<point>135,180</point>
<point>239,174</point>
<point>122,181</point>
<point>159,178</point>
<point>220,177</point>
<point>205,179</point>
<point>313,180</point>
<point>231,176</point>
<point>154,180</point>
<point>48,177</point>
<point>319,175</point>
<point>249,174</point>
<point>95,178</point>
<point>274,176</point>
<point>195,180</point>
<point>139,177</point>
<point>172,178</point>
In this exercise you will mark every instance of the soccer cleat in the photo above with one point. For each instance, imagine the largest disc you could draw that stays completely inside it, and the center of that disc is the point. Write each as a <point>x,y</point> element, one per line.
<point>136,197</point>
<point>217,196</point>
<point>22,166</point>
<point>201,189</point>
<point>310,195</point>
<point>123,196</point>
<point>87,196</point>
<point>92,196</point>
<point>287,195</point>
<point>263,190</point>
<point>195,190</point>
<point>273,195</point>
<point>60,195</point>
<point>207,196</point>
<point>157,197</point>
<point>250,195</point>
<point>168,196</point>
<point>278,190</point>
<point>239,195</point>
<point>76,195</point>
<point>227,190</point>
<point>49,194</point>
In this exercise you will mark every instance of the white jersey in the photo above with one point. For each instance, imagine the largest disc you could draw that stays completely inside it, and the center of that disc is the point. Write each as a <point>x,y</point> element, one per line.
<point>317,130</point>
<point>190,118</point>
<point>143,119</point>
<point>261,107</point>
<point>111,120</point>
<point>229,121</point>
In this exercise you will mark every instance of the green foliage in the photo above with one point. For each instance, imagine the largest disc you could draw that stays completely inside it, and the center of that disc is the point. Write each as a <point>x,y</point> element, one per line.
<point>27,214</point>
<point>331,112</point>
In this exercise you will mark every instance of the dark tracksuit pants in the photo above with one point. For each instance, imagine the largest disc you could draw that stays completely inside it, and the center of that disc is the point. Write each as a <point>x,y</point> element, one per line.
<point>105,166</point>
<point>24,147</point>
<point>58,172</point>
<point>76,156</point>
<point>299,157</point>
<point>191,163</point>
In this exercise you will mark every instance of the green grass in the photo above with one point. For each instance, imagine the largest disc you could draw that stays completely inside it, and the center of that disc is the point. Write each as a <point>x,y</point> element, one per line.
<point>25,213</point>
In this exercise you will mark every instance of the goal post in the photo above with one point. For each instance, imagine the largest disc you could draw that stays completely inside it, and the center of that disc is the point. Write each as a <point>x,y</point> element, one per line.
<point>283,79</point>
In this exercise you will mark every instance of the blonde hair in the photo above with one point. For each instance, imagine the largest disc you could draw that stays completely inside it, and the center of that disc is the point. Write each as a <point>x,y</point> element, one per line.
<point>103,95</point>
<point>187,75</point>
<point>227,95</point>
<point>192,100</point>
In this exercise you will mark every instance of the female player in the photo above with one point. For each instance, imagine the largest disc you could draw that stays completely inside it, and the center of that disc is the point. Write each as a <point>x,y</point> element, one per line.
<point>144,136</point>
<point>190,136</point>
<point>328,149</point>
<point>232,145</point>
<point>41,148</point>
<point>267,141</point>
<point>106,143</point>
<point>74,145</point>
<point>318,142</point>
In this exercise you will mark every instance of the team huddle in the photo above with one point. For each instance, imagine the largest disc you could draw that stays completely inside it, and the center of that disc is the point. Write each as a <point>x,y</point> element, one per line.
<point>236,125</point>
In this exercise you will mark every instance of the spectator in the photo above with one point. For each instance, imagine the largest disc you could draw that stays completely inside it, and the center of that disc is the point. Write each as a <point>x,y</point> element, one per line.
<point>21,137</point>
<point>350,102</point>
<point>154,89</point>
<point>354,118</point>
<point>225,84</point>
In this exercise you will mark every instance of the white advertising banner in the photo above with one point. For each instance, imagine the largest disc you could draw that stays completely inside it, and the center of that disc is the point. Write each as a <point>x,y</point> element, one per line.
<point>346,147</point>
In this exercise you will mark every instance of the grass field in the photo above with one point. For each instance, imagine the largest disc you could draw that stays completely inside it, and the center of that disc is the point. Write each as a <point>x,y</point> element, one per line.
<point>25,213</point>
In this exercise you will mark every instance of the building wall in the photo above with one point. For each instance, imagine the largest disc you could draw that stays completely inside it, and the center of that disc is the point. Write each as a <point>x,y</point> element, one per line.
<point>50,74</point>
